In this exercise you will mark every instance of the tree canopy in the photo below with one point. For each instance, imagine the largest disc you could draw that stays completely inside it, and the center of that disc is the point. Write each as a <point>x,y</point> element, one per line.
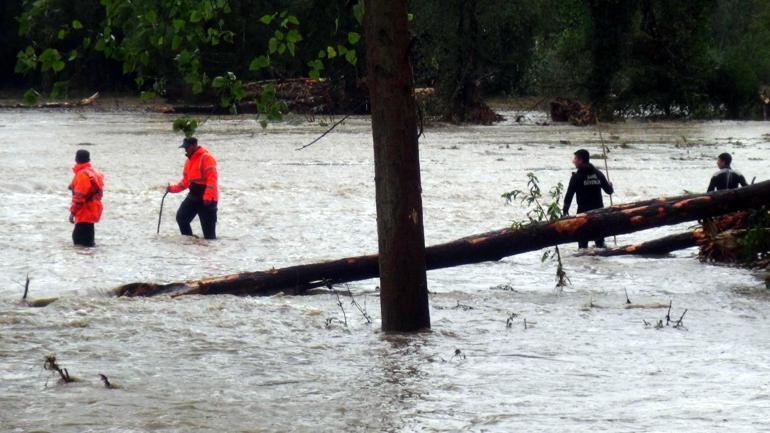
<point>663,57</point>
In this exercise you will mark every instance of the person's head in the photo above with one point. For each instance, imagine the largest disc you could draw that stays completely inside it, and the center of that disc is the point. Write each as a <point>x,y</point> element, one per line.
<point>724,160</point>
<point>581,158</point>
<point>190,145</point>
<point>82,156</point>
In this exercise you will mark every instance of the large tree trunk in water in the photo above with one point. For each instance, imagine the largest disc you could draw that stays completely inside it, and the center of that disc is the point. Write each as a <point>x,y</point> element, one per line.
<point>615,220</point>
<point>404,289</point>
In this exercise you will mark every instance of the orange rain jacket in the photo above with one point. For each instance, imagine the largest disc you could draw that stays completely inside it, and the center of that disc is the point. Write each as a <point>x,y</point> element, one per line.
<point>87,187</point>
<point>201,169</point>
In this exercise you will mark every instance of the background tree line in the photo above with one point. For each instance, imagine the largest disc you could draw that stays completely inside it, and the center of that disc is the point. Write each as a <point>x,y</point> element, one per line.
<point>696,58</point>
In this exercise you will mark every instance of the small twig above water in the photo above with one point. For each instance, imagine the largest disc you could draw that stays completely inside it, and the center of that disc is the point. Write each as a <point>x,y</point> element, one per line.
<point>628,300</point>
<point>339,302</point>
<point>679,322</point>
<point>26,288</point>
<point>509,320</point>
<point>463,307</point>
<point>458,354</point>
<point>336,124</point>
<point>107,383</point>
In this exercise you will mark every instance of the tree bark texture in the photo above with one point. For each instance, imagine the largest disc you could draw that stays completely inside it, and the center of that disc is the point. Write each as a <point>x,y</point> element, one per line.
<point>401,239</point>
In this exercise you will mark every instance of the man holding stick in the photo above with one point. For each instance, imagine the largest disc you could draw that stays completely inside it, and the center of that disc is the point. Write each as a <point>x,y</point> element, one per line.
<point>200,176</point>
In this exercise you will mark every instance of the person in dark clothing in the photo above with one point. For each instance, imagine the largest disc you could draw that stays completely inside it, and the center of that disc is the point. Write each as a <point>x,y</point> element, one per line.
<point>726,177</point>
<point>587,184</point>
<point>200,177</point>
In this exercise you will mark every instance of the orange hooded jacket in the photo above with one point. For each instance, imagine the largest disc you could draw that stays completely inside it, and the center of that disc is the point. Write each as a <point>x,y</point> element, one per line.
<point>200,168</point>
<point>87,187</point>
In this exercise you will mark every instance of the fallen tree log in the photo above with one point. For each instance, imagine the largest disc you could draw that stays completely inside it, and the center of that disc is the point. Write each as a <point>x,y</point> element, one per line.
<point>655,247</point>
<point>679,241</point>
<point>491,246</point>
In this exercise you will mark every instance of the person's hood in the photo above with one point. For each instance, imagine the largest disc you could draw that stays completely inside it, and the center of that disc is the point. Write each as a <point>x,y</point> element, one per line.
<point>587,168</point>
<point>80,166</point>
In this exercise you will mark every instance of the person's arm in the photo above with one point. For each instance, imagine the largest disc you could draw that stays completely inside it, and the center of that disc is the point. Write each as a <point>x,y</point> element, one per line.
<point>568,196</point>
<point>606,186</point>
<point>742,180</point>
<point>181,186</point>
<point>210,176</point>
<point>712,184</point>
<point>81,187</point>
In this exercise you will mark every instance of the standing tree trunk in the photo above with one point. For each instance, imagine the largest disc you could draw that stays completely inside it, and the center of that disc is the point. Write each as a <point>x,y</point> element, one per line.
<point>403,284</point>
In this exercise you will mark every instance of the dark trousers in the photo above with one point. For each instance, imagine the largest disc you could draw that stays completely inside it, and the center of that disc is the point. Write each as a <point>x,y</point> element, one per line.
<point>583,243</point>
<point>192,206</point>
<point>83,234</point>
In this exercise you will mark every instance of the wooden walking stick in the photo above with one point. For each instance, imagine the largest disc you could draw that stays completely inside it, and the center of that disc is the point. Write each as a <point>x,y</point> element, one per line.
<point>607,170</point>
<point>160,214</point>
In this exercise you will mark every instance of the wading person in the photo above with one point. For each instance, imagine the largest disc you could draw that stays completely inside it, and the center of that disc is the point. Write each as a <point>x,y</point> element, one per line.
<point>200,177</point>
<point>587,184</point>
<point>86,209</point>
<point>726,177</point>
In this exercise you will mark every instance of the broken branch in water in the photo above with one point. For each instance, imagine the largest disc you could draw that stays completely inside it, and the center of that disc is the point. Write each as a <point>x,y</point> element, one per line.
<point>363,312</point>
<point>107,383</point>
<point>51,365</point>
<point>677,324</point>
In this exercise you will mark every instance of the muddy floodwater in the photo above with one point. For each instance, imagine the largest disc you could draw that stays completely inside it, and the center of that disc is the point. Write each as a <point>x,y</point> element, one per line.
<point>282,363</point>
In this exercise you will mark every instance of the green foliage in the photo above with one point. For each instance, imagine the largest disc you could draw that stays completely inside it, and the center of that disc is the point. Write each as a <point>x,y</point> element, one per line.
<point>151,40</point>
<point>345,48</point>
<point>185,124</point>
<point>31,97</point>
<point>693,58</point>
<point>285,36</point>
<point>532,199</point>
<point>269,108</point>
<point>538,212</point>
<point>755,243</point>
<point>229,89</point>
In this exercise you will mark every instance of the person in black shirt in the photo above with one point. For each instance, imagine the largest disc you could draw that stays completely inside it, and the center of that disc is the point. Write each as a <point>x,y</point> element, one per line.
<point>587,184</point>
<point>726,177</point>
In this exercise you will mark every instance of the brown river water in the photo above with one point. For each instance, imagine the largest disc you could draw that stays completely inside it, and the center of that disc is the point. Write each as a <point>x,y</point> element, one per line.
<point>289,364</point>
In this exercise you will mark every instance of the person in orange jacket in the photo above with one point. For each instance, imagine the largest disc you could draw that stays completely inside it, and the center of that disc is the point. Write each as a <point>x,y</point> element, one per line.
<point>200,177</point>
<point>87,187</point>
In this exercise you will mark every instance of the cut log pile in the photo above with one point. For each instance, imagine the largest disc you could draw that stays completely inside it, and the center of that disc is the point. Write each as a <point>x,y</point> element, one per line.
<point>567,110</point>
<point>491,246</point>
<point>58,104</point>
<point>301,96</point>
